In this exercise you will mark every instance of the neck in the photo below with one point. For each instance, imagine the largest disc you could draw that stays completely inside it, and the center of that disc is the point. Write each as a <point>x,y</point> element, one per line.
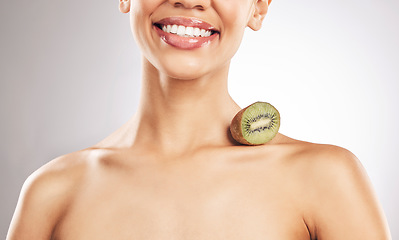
<point>177,115</point>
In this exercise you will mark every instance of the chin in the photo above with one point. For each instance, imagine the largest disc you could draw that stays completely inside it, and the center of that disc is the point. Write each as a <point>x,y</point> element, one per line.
<point>184,75</point>
<point>184,68</point>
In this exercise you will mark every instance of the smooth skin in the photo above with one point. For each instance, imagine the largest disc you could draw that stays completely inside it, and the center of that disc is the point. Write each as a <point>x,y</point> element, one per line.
<point>173,171</point>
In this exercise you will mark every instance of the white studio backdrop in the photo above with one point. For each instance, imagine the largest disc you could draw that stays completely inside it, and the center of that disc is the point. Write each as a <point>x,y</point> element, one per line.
<point>70,75</point>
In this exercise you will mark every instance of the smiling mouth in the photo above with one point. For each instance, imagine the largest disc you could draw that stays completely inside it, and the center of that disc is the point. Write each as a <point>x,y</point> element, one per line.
<point>184,31</point>
<point>186,27</point>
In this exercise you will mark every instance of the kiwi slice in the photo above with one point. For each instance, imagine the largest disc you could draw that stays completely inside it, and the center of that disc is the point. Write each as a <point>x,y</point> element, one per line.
<point>256,124</point>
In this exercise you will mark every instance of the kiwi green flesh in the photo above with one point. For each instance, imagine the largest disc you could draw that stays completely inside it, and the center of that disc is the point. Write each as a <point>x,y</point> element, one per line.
<point>260,123</point>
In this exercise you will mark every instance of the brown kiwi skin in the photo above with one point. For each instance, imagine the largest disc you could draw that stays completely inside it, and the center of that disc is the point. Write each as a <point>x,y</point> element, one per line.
<point>236,130</point>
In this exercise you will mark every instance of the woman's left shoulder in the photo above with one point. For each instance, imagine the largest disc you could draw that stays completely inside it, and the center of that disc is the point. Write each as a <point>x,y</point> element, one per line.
<point>339,194</point>
<point>323,163</point>
<point>320,156</point>
<point>332,163</point>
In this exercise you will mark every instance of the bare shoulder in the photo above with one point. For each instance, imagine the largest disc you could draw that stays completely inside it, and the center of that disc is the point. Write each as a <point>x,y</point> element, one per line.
<point>338,196</point>
<point>58,176</point>
<point>325,166</point>
<point>45,196</point>
<point>318,157</point>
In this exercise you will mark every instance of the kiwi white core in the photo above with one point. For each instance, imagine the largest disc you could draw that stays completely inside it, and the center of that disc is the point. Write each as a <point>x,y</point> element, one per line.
<point>260,123</point>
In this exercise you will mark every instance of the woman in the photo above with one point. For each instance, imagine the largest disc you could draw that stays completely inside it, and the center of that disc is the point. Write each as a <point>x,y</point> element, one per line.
<point>174,172</point>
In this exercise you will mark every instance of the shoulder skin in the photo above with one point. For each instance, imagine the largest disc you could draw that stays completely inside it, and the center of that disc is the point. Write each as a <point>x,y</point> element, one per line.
<point>339,197</point>
<point>45,196</point>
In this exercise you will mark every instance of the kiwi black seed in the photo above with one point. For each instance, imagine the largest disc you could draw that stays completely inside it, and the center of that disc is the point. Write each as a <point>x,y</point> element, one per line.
<point>256,124</point>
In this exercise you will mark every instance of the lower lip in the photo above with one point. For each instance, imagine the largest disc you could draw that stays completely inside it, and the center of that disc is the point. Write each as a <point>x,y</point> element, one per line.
<point>185,42</point>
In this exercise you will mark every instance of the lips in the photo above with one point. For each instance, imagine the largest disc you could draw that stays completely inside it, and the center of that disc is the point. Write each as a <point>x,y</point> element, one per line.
<point>185,33</point>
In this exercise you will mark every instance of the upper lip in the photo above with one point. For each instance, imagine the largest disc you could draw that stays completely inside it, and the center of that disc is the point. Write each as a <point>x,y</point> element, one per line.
<point>186,21</point>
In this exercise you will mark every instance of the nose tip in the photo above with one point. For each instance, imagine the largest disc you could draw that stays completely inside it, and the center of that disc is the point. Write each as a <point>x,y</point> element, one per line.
<point>191,4</point>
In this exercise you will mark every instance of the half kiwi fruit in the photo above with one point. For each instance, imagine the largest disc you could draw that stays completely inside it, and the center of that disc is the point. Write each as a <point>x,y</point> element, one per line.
<point>256,124</point>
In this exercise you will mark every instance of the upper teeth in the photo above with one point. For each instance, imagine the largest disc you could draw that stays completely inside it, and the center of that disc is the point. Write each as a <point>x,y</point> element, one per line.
<point>186,31</point>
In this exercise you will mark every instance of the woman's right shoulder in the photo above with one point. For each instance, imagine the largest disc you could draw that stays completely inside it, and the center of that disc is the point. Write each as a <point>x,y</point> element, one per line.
<point>63,176</point>
<point>57,178</point>
<point>60,172</point>
<point>48,191</point>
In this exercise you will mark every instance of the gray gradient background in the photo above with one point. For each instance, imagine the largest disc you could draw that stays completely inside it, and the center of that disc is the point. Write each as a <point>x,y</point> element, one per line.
<point>70,75</point>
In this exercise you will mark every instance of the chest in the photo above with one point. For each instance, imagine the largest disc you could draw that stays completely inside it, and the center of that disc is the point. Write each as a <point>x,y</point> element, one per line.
<point>209,204</point>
